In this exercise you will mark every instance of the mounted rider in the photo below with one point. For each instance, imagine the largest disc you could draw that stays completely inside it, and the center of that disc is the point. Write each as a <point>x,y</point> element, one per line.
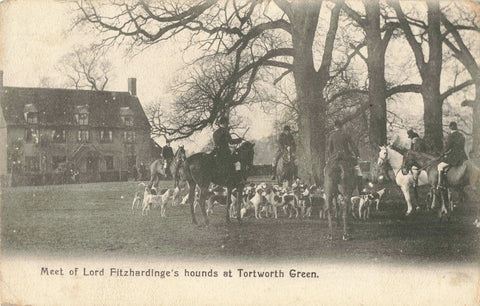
<point>285,142</point>
<point>222,139</point>
<point>167,154</point>
<point>416,143</point>
<point>453,154</point>
<point>342,149</point>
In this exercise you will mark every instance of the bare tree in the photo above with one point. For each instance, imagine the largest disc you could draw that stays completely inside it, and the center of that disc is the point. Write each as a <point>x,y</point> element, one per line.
<point>430,68</point>
<point>85,67</point>
<point>239,29</point>
<point>456,43</point>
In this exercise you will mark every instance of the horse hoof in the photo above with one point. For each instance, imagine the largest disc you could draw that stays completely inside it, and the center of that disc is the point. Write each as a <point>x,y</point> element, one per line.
<point>408,213</point>
<point>346,237</point>
<point>329,237</point>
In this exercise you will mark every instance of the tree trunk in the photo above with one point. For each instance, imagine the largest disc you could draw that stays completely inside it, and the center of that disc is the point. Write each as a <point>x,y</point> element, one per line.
<point>432,102</point>
<point>376,77</point>
<point>309,91</point>
<point>432,116</point>
<point>476,120</point>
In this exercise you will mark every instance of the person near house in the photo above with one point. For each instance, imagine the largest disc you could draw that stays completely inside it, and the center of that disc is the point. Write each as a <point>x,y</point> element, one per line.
<point>167,154</point>
<point>142,171</point>
<point>135,173</point>
<point>222,139</point>
<point>285,141</point>
<point>453,154</point>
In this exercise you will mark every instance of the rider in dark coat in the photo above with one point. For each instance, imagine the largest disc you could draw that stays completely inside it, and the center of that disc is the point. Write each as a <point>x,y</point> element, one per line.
<point>167,154</point>
<point>285,141</point>
<point>416,143</point>
<point>222,139</point>
<point>454,152</point>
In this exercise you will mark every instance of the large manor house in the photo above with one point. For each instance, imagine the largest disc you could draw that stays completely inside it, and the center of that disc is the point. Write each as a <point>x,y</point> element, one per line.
<point>50,135</point>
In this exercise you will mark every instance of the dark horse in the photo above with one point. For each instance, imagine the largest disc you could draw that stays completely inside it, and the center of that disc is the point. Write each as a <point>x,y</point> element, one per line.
<point>457,178</point>
<point>200,170</point>
<point>289,169</point>
<point>339,177</point>
<point>157,168</point>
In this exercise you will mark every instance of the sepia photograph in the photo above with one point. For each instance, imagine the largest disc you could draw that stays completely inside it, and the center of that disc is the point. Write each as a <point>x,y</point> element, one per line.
<point>251,152</point>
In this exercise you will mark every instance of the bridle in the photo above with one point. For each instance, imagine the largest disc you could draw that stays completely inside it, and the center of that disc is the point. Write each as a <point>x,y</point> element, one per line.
<point>383,161</point>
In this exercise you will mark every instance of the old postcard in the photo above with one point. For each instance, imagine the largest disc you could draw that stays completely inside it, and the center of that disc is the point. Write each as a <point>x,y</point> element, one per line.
<point>239,152</point>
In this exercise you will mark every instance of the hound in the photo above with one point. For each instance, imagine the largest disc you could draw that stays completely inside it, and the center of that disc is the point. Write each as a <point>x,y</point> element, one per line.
<point>362,204</point>
<point>151,198</point>
<point>136,201</point>
<point>377,197</point>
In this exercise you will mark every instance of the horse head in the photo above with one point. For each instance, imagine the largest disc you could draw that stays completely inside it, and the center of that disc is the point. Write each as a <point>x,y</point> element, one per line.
<point>382,156</point>
<point>180,155</point>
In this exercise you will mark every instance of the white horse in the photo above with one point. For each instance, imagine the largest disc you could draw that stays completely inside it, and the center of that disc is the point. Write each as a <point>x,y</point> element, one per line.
<point>395,159</point>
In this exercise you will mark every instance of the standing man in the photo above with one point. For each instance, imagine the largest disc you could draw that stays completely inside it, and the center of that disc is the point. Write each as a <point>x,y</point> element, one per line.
<point>341,148</point>
<point>222,139</point>
<point>453,154</point>
<point>285,141</point>
<point>167,154</point>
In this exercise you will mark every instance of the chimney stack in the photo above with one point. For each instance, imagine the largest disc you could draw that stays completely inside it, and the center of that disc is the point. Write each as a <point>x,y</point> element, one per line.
<point>132,86</point>
<point>1,78</point>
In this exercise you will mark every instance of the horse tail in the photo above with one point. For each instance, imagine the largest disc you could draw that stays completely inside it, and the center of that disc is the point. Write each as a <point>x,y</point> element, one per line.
<point>474,176</point>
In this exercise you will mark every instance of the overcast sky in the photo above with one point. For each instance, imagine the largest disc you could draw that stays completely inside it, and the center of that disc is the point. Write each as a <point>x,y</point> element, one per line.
<point>35,34</point>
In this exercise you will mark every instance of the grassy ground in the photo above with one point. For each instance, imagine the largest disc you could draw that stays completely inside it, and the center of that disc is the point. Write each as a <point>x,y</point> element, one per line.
<point>95,220</point>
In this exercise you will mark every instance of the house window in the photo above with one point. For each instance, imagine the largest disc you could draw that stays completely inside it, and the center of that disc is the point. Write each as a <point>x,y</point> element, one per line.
<point>83,136</point>
<point>127,120</point>
<point>32,118</point>
<point>57,161</point>
<point>32,163</point>
<point>32,135</point>
<point>58,136</point>
<point>109,162</point>
<point>129,136</point>
<point>82,119</point>
<point>106,136</point>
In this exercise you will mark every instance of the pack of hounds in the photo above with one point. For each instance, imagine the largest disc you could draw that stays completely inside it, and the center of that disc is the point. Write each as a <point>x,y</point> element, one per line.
<point>261,200</point>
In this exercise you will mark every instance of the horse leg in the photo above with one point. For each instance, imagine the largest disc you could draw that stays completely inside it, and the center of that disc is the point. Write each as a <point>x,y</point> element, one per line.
<point>229,198</point>
<point>406,194</point>
<point>203,197</point>
<point>239,207</point>
<point>345,211</point>
<point>443,208</point>
<point>337,209</point>
<point>191,199</point>
<point>415,194</point>
<point>328,210</point>
<point>152,178</point>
